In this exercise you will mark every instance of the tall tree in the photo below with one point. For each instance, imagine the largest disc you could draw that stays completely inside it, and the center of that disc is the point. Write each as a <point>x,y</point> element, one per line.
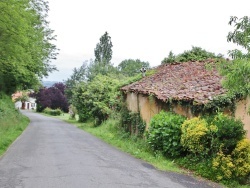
<point>26,46</point>
<point>103,55</point>
<point>103,50</point>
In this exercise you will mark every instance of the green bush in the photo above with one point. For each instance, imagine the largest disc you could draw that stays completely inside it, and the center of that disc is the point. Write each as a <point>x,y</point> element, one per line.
<point>234,166</point>
<point>230,132</point>
<point>164,133</point>
<point>56,112</point>
<point>193,137</point>
<point>96,99</point>
<point>241,160</point>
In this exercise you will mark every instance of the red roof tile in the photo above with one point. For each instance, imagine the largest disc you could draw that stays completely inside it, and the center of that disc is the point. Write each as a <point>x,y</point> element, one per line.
<point>190,81</point>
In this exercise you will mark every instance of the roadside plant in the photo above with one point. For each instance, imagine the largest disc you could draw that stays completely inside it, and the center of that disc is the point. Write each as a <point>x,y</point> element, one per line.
<point>193,137</point>
<point>229,132</point>
<point>164,133</point>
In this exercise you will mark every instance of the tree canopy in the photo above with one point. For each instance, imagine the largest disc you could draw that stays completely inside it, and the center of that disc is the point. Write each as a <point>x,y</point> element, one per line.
<point>103,55</point>
<point>130,67</point>
<point>237,72</point>
<point>26,46</point>
<point>195,54</point>
<point>52,97</point>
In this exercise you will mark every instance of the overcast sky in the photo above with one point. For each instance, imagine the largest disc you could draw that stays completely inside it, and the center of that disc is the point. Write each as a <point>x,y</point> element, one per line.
<point>139,29</point>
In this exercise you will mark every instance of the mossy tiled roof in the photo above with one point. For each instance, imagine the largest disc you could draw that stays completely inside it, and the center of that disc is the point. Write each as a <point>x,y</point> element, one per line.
<point>196,81</point>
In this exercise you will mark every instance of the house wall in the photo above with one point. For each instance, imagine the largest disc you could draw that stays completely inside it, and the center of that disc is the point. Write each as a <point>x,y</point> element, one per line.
<point>29,105</point>
<point>241,113</point>
<point>149,106</point>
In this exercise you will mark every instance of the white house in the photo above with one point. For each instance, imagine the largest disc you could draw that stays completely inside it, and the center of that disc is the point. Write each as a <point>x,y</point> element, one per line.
<point>30,104</point>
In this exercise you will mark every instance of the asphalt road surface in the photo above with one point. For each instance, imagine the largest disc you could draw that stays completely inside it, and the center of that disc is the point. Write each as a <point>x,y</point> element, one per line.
<point>53,154</point>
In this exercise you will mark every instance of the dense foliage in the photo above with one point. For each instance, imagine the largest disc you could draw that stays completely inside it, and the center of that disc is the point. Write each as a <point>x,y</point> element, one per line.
<point>130,67</point>
<point>52,97</point>
<point>193,136</point>
<point>214,147</point>
<point>164,133</point>
<point>53,112</point>
<point>195,54</point>
<point>237,72</point>
<point>96,99</point>
<point>26,46</point>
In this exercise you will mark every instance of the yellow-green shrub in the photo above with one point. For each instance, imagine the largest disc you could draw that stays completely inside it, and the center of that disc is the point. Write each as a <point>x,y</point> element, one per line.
<point>193,135</point>
<point>222,166</point>
<point>241,158</point>
<point>235,166</point>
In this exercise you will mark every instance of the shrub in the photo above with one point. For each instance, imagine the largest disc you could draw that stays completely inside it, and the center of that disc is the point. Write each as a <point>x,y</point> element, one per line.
<point>241,159</point>
<point>56,112</point>
<point>230,132</point>
<point>235,166</point>
<point>165,132</point>
<point>222,166</point>
<point>193,136</point>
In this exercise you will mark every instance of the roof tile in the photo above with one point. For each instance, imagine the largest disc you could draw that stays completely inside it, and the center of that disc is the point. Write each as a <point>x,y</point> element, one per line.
<point>181,81</point>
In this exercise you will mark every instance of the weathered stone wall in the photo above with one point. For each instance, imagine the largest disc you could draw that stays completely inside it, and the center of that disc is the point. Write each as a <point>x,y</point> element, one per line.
<point>241,113</point>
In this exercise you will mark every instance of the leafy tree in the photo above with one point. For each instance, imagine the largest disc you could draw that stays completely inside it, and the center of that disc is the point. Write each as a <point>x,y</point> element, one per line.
<point>78,75</point>
<point>130,67</point>
<point>103,50</point>
<point>240,36</point>
<point>52,97</point>
<point>103,55</point>
<point>96,98</point>
<point>237,72</point>
<point>195,54</point>
<point>26,44</point>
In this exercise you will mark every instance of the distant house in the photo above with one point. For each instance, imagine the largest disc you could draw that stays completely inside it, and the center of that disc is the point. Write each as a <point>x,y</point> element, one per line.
<point>186,88</point>
<point>29,104</point>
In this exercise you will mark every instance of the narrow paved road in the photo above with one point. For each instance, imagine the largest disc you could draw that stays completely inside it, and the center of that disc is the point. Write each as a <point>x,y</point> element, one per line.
<point>54,154</point>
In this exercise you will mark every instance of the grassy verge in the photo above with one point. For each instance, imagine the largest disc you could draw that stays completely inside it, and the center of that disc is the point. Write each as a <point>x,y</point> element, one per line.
<point>12,123</point>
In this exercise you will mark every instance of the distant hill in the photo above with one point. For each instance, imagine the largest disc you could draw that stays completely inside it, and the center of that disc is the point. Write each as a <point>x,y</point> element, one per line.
<point>48,83</point>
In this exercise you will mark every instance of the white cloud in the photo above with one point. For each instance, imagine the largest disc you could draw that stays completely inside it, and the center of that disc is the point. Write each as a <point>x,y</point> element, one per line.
<point>143,29</point>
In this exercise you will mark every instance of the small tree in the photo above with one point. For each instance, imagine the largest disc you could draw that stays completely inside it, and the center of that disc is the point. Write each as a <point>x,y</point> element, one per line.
<point>52,97</point>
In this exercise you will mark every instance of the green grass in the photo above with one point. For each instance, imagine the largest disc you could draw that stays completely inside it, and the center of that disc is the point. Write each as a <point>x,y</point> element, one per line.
<point>12,123</point>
